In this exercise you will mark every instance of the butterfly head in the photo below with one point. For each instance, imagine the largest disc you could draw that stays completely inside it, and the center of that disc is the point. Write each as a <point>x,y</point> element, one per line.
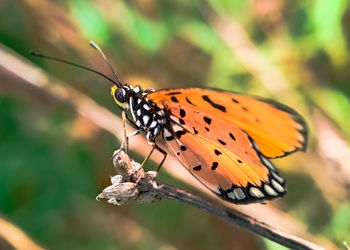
<point>121,95</point>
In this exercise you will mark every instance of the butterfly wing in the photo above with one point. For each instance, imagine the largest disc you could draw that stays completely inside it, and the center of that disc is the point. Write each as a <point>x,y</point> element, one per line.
<point>277,129</point>
<point>227,161</point>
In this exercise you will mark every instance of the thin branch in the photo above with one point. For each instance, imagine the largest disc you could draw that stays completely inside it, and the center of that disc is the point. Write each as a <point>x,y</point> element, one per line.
<point>132,183</point>
<point>12,237</point>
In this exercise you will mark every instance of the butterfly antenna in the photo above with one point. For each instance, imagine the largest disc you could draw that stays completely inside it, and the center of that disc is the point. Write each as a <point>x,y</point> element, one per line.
<point>95,46</point>
<point>37,54</point>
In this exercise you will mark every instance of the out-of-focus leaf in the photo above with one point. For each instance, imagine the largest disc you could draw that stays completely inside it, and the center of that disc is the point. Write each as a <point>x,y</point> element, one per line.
<point>327,18</point>
<point>336,104</point>
<point>228,6</point>
<point>224,65</point>
<point>90,21</point>
<point>147,34</point>
<point>299,22</point>
<point>339,227</point>
<point>200,35</point>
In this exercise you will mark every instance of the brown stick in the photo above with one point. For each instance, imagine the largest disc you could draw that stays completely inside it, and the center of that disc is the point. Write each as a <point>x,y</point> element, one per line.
<point>13,237</point>
<point>134,184</point>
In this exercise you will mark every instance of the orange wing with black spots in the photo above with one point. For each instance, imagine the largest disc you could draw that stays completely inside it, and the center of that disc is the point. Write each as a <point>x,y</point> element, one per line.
<point>222,157</point>
<point>277,129</point>
<point>224,140</point>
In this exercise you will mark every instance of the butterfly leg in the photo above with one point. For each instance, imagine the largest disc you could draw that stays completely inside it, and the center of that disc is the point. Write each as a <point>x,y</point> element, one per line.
<point>164,157</point>
<point>136,132</point>
<point>155,146</point>
<point>149,154</point>
<point>125,143</point>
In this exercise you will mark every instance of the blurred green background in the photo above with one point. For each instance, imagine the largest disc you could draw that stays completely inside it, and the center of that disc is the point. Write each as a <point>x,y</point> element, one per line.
<point>54,161</point>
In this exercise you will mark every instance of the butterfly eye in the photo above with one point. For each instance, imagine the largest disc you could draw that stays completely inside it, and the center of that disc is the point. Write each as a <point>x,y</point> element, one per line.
<point>120,95</point>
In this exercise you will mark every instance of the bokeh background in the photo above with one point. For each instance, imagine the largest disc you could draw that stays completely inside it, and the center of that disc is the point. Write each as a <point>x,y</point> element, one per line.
<point>57,135</point>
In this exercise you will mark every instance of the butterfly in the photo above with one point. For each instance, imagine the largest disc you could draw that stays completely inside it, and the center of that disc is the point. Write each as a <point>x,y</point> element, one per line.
<point>224,139</point>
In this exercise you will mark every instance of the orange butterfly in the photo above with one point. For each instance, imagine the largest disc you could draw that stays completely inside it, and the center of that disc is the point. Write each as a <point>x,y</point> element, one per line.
<point>223,139</point>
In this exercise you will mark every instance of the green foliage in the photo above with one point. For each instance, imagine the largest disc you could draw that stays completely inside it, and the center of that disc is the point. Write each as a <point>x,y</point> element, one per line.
<point>90,21</point>
<point>340,225</point>
<point>336,104</point>
<point>327,17</point>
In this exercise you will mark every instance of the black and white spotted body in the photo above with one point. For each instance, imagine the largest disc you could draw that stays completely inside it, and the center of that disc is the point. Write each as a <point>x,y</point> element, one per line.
<point>147,117</point>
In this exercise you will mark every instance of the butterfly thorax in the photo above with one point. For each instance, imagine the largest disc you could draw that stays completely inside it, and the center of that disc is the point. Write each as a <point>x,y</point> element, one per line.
<point>146,115</point>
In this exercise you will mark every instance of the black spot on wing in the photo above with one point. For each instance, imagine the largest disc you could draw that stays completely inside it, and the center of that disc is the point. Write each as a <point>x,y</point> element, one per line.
<point>169,138</point>
<point>232,136</point>
<point>180,133</point>
<point>215,165</point>
<point>207,119</point>
<point>199,167</point>
<point>222,142</point>
<point>239,161</point>
<point>213,104</point>
<point>182,113</point>
<point>235,101</point>
<point>217,152</point>
<point>244,108</point>
<point>188,100</point>
<point>174,99</point>
<point>182,121</point>
<point>183,148</point>
<point>173,93</point>
<point>207,129</point>
<point>195,130</point>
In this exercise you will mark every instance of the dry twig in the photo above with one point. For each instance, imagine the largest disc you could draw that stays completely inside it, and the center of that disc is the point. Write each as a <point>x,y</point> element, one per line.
<point>12,237</point>
<point>132,183</point>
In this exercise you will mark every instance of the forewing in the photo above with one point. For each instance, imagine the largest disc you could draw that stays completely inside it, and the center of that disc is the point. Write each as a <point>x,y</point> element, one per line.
<point>276,128</point>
